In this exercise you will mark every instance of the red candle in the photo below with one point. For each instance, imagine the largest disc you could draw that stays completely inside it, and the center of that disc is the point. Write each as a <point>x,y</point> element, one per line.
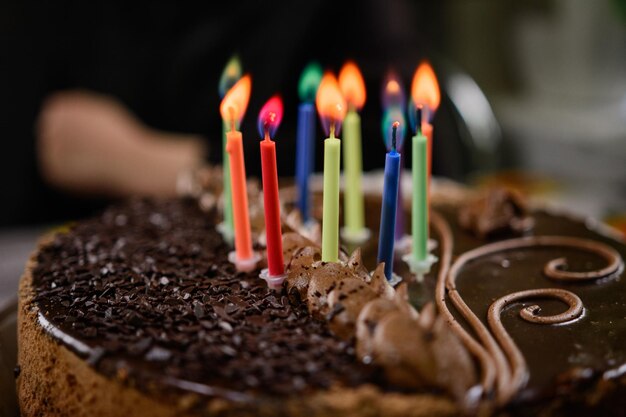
<point>269,119</point>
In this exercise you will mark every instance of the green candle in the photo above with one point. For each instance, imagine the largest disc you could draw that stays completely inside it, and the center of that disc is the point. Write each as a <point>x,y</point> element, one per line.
<point>352,87</point>
<point>230,75</point>
<point>331,107</point>
<point>420,201</point>
<point>227,197</point>
<point>330,219</point>
<point>354,218</point>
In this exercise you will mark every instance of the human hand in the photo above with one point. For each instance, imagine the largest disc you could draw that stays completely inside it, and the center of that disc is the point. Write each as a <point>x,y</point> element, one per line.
<point>91,143</point>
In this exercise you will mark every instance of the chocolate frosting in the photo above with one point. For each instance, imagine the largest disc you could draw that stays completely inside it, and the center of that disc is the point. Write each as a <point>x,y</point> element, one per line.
<point>583,283</point>
<point>496,211</point>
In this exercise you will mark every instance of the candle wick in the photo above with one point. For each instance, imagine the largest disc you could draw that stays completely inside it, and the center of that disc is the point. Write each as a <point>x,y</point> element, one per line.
<point>332,129</point>
<point>393,136</point>
<point>267,131</point>
<point>418,119</point>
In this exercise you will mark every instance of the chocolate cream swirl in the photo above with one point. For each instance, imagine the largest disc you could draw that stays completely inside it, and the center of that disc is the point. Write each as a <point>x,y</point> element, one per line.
<point>503,367</point>
<point>415,350</point>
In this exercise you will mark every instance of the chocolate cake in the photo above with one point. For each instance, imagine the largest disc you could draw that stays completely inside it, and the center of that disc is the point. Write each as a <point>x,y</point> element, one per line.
<point>138,311</point>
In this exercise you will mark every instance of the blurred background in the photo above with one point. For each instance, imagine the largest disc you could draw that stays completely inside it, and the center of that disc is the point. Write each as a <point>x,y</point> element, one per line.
<point>102,100</point>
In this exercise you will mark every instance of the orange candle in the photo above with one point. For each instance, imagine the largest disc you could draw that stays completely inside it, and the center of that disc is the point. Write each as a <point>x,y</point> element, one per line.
<point>427,130</point>
<point>232,109</point>
<point>243,238</point>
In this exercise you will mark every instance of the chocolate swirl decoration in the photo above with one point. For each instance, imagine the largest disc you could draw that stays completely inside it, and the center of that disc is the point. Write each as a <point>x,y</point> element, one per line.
<point>503,366</point>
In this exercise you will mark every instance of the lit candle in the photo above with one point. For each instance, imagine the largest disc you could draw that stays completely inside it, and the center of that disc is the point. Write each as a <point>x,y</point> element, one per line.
<point>331,107</point>
<point>391,115</point>
<point>305,146</point>
<point>386,238</point>
<point>232,109</point>
<point>269,119</point>
<point>425,92</point>
<point>230,75</point>
<point>425,98</point>
<point>394,102</point>
<point>353,88</point>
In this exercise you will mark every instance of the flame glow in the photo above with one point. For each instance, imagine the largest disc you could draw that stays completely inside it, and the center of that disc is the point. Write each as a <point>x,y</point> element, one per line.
<point>270,117</point>
<point>352,85</point>
<point>393,115</point>
<point>235,102</point>
<point>230,75</point>
<point>331,106</point>
<point>425,89</point>
<point>393,92</point>
<point>309,82</point>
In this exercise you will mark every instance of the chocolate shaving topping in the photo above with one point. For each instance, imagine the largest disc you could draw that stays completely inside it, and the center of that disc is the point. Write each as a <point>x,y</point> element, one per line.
<point>146,285</point>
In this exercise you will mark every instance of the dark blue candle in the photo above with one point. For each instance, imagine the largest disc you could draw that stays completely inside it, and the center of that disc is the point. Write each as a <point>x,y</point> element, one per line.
<point>305,156</point>
<point>305,152</point>
<point>386,237</point>
<point>391,115</point>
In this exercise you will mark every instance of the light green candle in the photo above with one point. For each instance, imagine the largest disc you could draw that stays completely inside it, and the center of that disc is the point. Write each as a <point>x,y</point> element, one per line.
<point>354,217</point>
<point>228,200</point>
<point>420,201</point>
<point>330,219</point>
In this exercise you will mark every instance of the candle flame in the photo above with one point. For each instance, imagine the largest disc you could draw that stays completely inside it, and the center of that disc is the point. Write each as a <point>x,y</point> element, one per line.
<point>425,89</point>
<point>309,82</point>
<point>330,103</point>
<point>352,85</point>
<point>230,75</point>
<point>390,118</point>
<point>393,91</point>
<point>235,102</point>
<point>270,117</point>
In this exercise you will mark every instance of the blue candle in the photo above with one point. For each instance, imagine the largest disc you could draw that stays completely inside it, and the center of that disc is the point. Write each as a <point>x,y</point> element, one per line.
<point>305,135</point>
<point>386,237</point>
<point>392,114</point>
<point>305,156</point>
<point>393,101</point>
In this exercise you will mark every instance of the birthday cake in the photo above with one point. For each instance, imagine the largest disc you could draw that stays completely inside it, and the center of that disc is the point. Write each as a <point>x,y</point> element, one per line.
<point>138,310</point>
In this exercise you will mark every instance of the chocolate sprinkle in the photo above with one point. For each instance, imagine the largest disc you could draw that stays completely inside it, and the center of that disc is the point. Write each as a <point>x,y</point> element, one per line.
<point>147,286</point>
